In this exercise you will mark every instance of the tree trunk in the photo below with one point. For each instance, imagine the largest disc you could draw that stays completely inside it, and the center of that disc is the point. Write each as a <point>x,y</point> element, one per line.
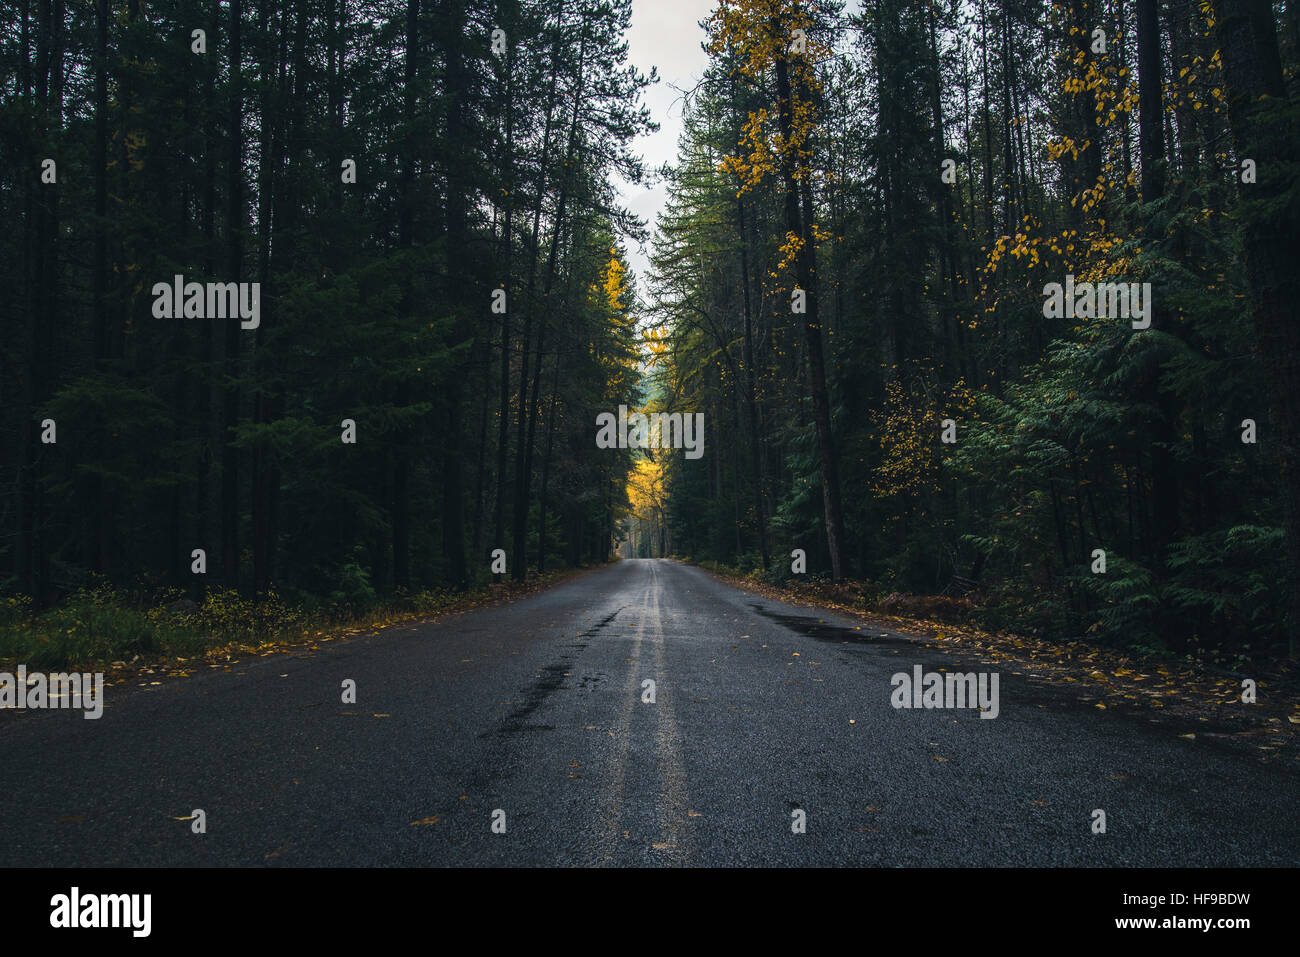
<point>235,225</point>
<point>806,268</point>
<point>1256,91</point>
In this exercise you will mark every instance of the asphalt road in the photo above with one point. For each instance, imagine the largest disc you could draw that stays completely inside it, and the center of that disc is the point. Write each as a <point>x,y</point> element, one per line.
<point>535,708</point>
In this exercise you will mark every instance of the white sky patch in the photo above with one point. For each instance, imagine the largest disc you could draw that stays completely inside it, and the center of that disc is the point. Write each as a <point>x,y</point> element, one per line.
<point>664,34</point>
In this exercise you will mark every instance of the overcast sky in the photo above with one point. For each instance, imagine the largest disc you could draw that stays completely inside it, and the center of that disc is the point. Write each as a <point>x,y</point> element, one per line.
<point>664,34</point>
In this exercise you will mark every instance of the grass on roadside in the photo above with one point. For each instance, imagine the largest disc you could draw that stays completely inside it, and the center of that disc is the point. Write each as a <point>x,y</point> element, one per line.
<point>102,628</point>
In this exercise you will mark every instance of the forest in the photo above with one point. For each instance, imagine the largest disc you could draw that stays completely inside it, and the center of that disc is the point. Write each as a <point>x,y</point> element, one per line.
<point>421,194</point>
<point>871,212</point>
<point>852,281</point>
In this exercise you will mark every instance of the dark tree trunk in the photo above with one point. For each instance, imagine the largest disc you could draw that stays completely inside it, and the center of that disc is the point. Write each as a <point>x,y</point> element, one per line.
<point>751,402</point>
<point>800,223</point>
<point>453,492</point>
<point>401,460</point>
<point>1256,90</point>
<point>1151,141</point>
<point>235,225</point>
